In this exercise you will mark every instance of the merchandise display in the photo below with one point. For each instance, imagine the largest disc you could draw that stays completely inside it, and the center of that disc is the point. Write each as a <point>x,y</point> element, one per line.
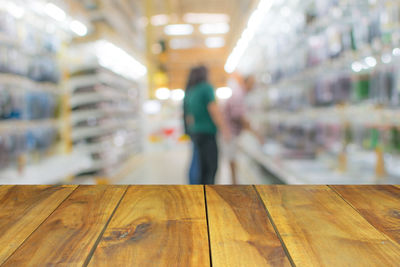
<point>330,88</point>
<point>29,95</point>
<point>106,112</point>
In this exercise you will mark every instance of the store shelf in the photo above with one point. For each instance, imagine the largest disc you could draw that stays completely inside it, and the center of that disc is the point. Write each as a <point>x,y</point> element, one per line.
<point>26,83</point>
<point>23,124</point>
<point>115,94</point>
<point>53,170</point>
<point>111,80</point>
<point>357,114</point>
<point>316,171</point>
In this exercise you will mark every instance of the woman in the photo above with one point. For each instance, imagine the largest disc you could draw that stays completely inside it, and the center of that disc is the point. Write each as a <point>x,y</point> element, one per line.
<point>194,169</point>
<point>204,119</point>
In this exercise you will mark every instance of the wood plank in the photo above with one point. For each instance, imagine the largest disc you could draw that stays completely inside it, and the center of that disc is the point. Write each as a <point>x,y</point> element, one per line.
<point>379,204</point>
<point>157,226</point>
<point>23,209</point>
<point>240,231</point>
<point>68,235</point>
<point>320,229</point>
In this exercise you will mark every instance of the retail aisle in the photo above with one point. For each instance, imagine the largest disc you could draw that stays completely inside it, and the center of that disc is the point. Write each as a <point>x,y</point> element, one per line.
<point>169,166</point>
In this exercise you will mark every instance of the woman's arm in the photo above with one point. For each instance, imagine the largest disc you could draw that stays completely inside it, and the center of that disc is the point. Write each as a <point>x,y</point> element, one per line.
<point>219,120</point>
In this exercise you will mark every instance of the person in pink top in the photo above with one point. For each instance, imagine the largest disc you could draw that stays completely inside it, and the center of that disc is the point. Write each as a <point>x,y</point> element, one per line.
<point>235,115</point>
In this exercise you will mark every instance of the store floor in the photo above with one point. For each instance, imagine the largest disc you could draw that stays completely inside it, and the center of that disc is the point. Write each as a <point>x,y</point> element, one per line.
<point>169,166</point>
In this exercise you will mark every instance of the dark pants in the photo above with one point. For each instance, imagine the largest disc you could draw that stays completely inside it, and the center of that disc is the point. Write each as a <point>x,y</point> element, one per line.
<point>206,145</point>
<point>194,170</point>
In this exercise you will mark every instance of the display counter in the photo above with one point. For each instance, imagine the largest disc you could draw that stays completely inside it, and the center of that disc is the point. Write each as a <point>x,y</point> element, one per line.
<point>200,225</point>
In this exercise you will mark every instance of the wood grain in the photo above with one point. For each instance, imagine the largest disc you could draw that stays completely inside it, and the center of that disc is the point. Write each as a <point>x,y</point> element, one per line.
<point>23,209</point>
<point>157,226</point>
<point>379,204</point>
<point>240,231</point>
<point>320,229</point>
<point>68,235</point>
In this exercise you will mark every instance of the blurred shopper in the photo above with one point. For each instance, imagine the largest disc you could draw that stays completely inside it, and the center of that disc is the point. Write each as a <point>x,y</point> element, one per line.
<point>194,169</point>
<point>235,114</point>
<point>204,118</point>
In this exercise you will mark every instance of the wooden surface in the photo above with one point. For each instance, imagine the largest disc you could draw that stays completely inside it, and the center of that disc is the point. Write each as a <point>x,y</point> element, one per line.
<point>157,226</point>
<point>68,235</point>
<point>23,209</point>
<point>320,229</point>
<point>240,231</point>
<point>200,225</point>
<point>379,205</point>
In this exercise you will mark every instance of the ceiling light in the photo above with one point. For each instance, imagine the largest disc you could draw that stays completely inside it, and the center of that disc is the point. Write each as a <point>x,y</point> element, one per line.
<point>182,43</point>
<point>357,66</point>
<point>163,93</point>
<point>215,42</point>
<point>152,107</point>
<point>55,12</point>
<point>370,61</point>
<point>159,20</point>
<point>178,29</point>
<point>214,28</point>
<point>252,26</point>
<point>15,11</point>
<point>396,51</point>
<point>78,27</point>
<point>224,92</point>
<point>177,95</point>
<point>386,58</point>
<point>119,61</point>
<point>199,18</point>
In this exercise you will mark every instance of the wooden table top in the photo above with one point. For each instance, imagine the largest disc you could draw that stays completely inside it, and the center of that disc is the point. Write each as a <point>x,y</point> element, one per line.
<point>200,225</point>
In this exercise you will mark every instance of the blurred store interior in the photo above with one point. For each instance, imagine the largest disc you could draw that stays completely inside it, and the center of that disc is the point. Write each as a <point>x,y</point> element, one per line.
<point>91,91</point>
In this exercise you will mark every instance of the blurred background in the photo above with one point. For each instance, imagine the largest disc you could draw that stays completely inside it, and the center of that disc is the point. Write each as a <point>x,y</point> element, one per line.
<point>91,91</point>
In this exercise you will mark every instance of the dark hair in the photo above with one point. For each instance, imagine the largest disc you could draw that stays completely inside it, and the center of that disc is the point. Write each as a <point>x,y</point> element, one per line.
<point>197,75</point>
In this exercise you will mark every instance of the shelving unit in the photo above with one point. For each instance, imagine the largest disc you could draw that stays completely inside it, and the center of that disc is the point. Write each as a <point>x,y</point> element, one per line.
<point>328,88</point>
<point>105,118</point>
<point>32,144</point>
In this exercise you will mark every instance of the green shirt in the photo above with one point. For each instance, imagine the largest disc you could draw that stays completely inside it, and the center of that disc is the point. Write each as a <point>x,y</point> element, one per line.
<point>196,104</point>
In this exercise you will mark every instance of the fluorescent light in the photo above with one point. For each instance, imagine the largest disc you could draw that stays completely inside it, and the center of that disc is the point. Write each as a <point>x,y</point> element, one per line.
<point>178,29</point>
<point>370,61</point>
<point>152,107</point>
<point>119,61</point>
<point>55,12</point>
<point>78,27</point>
<point>224,92</point>
<point>159,20</point>
<point>247,35</point>
<point>163,93</point>
<point>177,95</point>
<point>199,18</point>
<point>15,10</point>
<point>215,42</point>
<point>214,28</point>
<point>182,43</point>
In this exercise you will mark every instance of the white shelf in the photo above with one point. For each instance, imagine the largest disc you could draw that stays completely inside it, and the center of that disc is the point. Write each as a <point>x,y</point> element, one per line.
<point>26,124</point>
<point>315,171</point>
<point>86,98</point>
<point>357,114</point>
<point>49,171</point>
<point>111,80</point>
<point>26,83</point>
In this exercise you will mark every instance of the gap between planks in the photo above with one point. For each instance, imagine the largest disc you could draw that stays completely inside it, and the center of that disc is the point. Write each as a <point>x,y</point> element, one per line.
<point>274,226</point>
<point>208,225</point>
<point>39,225</point>
<point>354,208</point>
<point>91,253</point>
